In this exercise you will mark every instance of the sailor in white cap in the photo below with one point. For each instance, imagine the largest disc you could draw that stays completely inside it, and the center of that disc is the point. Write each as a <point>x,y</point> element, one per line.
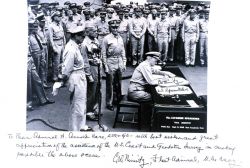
<point>73,73</point>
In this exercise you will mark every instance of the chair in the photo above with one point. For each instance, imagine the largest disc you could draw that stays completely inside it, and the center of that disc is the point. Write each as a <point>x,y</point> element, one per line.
<point>129,104</point>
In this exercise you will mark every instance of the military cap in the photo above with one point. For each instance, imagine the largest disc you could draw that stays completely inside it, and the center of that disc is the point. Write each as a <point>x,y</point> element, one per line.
<point>55,3</point>
<point>56,13</point>
<point>65,6</point>
<point>192,11</point>
<point>201,4</point>
<point>128,6</point>
<point>44,4</point>
<point>77,29</point>
<point>171,8</point>
<point>164,4</point>
<point>153,54</point>
<point>103,9</point>
<point>89,27</point>
<point>103,12</point>
<point>178,7</point>
<point>153,11</point>
<point>79,7</point>
<point>120,12</point>
<point>87,4</point>
<point>86,12</point>
<point>207,6</point>
<point>162,11</point>
<point>114,22</point>
<point>33,6</point>
<point>199,9</point>
<point>137,9</point>
<point>73,5</point>
<point>153,6</point>
<point>146,11</point>
<point>32,24</point>
<point>158,7</point>
<point>52,4</point>
<point>40,17</point>
<point>67,3</point>
<point>110,10</point>
<point>59,8</point>
<point>140,6</point>
<point>116,7</point>
<point>126,10</point>
<point>207,10</point>
<point>122,6</point>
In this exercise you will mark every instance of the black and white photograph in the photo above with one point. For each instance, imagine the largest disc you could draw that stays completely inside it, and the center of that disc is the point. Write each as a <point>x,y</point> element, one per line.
<point>123,66</point>
<point>115,83</point>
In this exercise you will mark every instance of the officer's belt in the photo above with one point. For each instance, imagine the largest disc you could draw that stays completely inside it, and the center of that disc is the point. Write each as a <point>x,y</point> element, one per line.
<point>173,28</point>
<point>191,32</point>
<point>78,71</point>
<point>134,86</point>
<point>136,83</point>
<point>203,31</point>
<point>123,31</point>
<point>37,52</point>
<point>163,34</point>
<point>113,56</point>
<point>138,31</point>
<point>57,39</point>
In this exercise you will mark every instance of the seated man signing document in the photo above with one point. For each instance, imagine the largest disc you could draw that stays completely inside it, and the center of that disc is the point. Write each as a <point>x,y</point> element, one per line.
<point>144,76</point>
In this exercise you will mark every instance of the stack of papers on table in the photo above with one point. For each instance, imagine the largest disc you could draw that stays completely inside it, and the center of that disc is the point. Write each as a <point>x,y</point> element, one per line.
<point>173,90</point>
<point>175,81</point>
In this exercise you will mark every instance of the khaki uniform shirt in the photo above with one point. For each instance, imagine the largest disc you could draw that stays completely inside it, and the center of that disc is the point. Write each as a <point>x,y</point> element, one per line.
<point>203,25</point>
<point>143,74</point>
<point>102,27</point>
<point>113,52</point>
<point>162,28</point>
<point>152,26</point>
<point>87,50</point>
<point>56,34</point>
<point>138,26</point>
<point>191,27</point>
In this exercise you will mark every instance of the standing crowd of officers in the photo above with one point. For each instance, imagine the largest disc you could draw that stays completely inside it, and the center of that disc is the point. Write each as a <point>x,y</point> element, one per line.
<point>72,43</point>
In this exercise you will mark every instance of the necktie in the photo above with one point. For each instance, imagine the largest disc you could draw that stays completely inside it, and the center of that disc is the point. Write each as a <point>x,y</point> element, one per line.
<point>39,42</point>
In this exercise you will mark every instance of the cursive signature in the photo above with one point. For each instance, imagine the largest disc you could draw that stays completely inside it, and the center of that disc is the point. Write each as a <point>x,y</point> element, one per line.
<point>129,158</point>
